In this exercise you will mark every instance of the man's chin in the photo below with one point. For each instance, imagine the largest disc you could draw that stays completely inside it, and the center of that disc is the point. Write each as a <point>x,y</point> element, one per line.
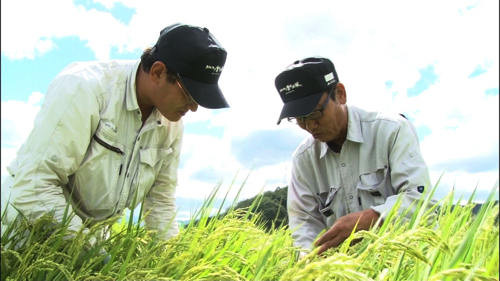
<point>322,138</point>
<point>173,117</point>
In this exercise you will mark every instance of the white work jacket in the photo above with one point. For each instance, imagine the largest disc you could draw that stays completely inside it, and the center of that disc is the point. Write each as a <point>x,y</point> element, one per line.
<point>89,147</point>
<point>379,159</point>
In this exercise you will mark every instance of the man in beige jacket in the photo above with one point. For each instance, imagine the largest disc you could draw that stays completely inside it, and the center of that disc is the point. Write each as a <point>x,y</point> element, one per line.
<point>352,167</point>
<point>110,130</point>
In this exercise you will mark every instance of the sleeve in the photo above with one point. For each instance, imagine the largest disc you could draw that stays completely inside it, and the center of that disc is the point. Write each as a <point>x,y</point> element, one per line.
<point>54,149</point>
<point>159,203</point>
<point>305,219</point>
<point>409,172</point>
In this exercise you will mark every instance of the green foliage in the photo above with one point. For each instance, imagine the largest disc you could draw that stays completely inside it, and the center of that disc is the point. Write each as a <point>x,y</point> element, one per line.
<point>271,205</point>
<point>447,245</point>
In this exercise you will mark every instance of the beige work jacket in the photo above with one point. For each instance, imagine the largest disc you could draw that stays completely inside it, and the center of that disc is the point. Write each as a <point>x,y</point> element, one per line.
<point>89,147</point>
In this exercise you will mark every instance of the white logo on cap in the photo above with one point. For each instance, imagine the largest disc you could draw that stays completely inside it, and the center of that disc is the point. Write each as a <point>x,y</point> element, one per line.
<point>290,87</point>
<point>329,78</point>
<point>214,68</point>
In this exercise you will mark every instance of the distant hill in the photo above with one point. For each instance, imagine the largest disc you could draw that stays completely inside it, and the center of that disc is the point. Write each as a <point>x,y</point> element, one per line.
<point>477,207</point>
<point>273,207</point>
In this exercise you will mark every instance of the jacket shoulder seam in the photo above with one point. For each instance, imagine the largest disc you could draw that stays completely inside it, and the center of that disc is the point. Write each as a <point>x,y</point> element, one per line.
<point>303,151</point>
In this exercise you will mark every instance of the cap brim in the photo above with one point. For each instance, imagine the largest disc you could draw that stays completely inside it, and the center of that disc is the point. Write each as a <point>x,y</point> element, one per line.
<point>206,95</point>
<point>300,107</point>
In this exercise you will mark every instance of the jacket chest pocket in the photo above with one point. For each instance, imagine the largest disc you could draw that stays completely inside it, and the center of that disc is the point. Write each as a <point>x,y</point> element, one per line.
<point>373,188</point>
<point>150,163</point>
<point>96,179</point>
<point>326,202</point>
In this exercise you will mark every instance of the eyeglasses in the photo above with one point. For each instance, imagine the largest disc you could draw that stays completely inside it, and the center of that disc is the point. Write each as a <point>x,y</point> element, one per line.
<point>186,93</point>
<point>315,115</point>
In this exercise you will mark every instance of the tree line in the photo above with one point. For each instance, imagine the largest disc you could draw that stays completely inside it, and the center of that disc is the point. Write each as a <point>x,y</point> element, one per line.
<point>272,207</point>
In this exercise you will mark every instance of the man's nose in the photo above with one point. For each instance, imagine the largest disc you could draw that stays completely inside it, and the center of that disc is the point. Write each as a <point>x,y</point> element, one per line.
<point>311,124</point>
<point>193,106</point>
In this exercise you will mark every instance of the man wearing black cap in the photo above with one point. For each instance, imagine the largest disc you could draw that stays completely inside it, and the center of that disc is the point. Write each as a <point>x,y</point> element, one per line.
<point>109,135</point>
<point>352,167</point>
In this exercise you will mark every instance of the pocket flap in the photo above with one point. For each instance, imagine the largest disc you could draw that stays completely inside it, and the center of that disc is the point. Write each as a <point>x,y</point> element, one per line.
<point>373,179</point>
<point>331,195</point>
<point>369,180</point>
<point>151,156</point>
<point>326,197</point>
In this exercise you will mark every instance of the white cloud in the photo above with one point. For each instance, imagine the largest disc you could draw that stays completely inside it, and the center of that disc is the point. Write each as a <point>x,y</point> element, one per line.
<point>8,154</point>
<point>35,99</point>
<point>44,45</point>
<point>109,4</point>
<point>202,114</point>
<point>30,32</point>
<point>201,156</point>
<point>16,127</point>
<point>106,3</point>
<point>464,184</point>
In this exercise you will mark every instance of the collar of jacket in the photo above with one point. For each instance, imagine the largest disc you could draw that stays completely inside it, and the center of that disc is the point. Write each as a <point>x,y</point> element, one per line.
<point>130,92</point>
<point>353,129</point>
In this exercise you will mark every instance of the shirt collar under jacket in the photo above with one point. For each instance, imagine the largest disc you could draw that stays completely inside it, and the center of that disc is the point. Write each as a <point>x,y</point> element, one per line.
<point>353,129</point>
<point>130,92</point>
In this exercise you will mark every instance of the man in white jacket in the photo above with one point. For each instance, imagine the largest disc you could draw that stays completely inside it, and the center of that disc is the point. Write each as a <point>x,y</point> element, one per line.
<point>110,130</point>
<point>354,164</point>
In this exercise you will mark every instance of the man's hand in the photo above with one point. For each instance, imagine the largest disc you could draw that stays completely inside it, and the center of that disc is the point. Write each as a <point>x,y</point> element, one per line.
<point>342,229</point>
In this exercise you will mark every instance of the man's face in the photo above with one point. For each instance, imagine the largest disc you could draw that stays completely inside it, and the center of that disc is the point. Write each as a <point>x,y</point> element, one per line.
<point>333,125</point>
<point>173,101</point>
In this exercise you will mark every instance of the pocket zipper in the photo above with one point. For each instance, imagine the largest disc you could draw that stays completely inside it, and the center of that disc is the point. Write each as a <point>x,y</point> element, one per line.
<point>112,148</point>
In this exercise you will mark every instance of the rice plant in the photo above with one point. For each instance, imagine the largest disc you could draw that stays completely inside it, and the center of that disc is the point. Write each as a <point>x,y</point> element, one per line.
<point>446,244</point>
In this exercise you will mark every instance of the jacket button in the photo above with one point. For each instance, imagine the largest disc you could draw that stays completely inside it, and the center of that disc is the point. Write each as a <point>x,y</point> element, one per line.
<point>119,211</point>
<point>159,122</point>
<point>343,164</point>
<point>54,158</point>
<point>350,196</point>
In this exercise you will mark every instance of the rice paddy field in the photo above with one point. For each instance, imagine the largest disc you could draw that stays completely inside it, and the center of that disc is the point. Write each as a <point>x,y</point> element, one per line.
<point>443,243</point>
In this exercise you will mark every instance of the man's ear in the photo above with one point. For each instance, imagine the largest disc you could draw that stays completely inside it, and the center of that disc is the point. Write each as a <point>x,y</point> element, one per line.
<point>340,93</point>
<point>158,70</point>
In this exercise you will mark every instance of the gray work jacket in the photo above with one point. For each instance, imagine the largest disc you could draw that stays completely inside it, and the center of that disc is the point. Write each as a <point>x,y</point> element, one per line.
<point>380,159</point>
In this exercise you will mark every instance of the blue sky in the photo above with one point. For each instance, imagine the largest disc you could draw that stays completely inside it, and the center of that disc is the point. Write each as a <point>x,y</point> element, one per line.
<point>435,62</point>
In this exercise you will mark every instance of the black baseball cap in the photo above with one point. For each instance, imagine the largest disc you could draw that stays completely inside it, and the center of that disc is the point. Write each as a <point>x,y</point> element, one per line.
<point>302,84</point>
<point>198,58</point>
